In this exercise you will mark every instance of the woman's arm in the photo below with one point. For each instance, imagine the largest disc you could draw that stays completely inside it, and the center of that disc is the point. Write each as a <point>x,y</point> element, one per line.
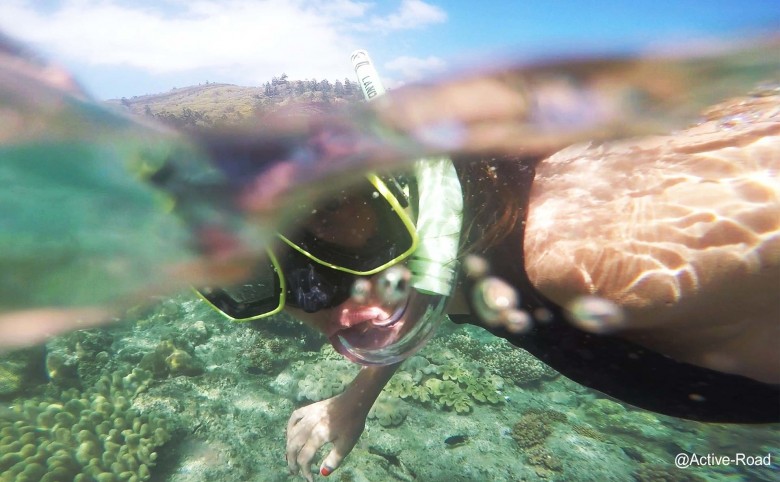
<point>339,420</point>
<point>680,231</point>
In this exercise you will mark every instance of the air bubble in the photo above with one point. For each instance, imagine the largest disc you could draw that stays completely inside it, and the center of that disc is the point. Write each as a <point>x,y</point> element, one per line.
<point>361,290</point>
<point>595,315</point>
<point>516,321</point>
<point>392,285</point>
<point>491,298</point>
<point>543,315</point>
<point>475,266</point>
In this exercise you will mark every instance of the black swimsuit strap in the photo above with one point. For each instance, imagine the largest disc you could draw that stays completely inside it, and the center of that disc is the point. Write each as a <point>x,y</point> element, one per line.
<point>618,368</point>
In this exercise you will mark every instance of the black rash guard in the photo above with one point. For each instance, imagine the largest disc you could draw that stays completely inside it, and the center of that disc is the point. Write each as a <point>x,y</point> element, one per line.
<point>613,366</point>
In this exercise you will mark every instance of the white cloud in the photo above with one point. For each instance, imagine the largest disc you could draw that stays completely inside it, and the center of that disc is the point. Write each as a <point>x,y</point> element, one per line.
<point>414,68</point>
<point>249,39</point>
<point>412,14</point>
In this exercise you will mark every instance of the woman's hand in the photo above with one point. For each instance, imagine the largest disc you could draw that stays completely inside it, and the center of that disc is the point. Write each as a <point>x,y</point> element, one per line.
<point>334,420</point>
<point>339,420</point>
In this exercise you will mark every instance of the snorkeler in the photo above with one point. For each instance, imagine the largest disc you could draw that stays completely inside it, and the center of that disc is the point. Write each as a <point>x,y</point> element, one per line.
<point>670,307</point>
<point>694,266</point>
<point>679,232</point>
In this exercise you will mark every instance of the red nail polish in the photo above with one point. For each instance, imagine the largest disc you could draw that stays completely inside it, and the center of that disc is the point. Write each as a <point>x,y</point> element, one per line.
<point>325,471</point>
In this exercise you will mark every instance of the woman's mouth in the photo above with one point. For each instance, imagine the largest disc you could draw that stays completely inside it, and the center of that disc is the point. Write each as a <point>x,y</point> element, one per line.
<point>351,314</point>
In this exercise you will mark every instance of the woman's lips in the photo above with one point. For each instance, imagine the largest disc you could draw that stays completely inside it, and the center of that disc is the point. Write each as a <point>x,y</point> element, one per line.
<point>350,314</point>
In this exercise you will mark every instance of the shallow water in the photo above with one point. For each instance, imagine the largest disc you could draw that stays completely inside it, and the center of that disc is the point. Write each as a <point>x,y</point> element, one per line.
<point>177,393</point>
<point>226,408</point>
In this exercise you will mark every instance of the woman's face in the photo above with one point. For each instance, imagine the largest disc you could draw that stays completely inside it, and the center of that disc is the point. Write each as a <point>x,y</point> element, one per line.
<point>348,222</point>
<point>345,221</point>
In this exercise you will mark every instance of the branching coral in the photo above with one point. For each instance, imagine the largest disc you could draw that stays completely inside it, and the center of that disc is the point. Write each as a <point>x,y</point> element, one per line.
<point>94,435</point>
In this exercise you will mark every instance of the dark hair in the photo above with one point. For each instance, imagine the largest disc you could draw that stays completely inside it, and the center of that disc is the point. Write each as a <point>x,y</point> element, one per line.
<point>495,199</point>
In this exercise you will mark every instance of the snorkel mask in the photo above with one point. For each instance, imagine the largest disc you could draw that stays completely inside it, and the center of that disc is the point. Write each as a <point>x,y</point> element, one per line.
<point>311,271</point>
<point>392,288</point>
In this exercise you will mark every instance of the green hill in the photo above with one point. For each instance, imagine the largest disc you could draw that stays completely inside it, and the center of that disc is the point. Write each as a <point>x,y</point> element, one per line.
<point>224,104</point>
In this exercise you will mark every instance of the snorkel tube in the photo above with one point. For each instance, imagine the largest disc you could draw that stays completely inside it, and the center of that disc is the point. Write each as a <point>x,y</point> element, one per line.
<point>414,305</point>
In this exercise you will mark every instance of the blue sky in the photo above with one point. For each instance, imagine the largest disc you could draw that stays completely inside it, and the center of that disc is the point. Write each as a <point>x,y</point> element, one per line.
<point>124,48</point>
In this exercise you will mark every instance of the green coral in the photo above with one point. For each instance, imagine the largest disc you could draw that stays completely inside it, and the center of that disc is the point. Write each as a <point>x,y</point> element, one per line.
<point>450,394</point>
<point>173,359</point>
<point>535,426</point>
<point>388,411</point>
<point>485,389</point>
<point>445,381</point>
<point>81,436</point>
<point>17,367</point>
<point>325,379</point>
<point>502,359</point>
<point>402,385</point>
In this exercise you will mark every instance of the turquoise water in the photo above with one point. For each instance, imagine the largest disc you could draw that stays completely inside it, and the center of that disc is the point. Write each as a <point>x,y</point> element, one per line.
<point>174,392</point>
<point>223,393</point>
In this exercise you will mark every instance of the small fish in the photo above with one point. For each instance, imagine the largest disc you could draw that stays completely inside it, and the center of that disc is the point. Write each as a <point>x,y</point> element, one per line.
<point>456,441</point>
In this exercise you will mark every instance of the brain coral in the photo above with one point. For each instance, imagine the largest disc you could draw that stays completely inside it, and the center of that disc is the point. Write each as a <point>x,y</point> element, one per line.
<point>81,436</point>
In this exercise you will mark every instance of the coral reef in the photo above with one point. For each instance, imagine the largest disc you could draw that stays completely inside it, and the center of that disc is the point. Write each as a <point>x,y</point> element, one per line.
<point>171,358</point>
<point>612,417</point>
<point>543,461</point>
<point>266,357</point>
<point>589,432</point>
<point>81,436</point>
<point>19,369</point>
<point>324,379</point>
<point>388,411</point>
<point>440,377</point>
<point>535,426</point>
<point>229,425</point>
<point>503,359</point>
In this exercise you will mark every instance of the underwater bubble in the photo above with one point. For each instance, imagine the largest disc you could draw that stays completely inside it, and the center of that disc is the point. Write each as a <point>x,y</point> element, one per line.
<point>475,266</point>
<point>543,315</point>
<point>392,285</point>
<point>361,290</point>
<point>491,297</point>
<point>595,315</point>
<point>516,321</point>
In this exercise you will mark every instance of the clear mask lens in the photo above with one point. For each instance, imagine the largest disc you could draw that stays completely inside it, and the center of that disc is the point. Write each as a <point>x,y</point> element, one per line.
<point>394,339</point>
